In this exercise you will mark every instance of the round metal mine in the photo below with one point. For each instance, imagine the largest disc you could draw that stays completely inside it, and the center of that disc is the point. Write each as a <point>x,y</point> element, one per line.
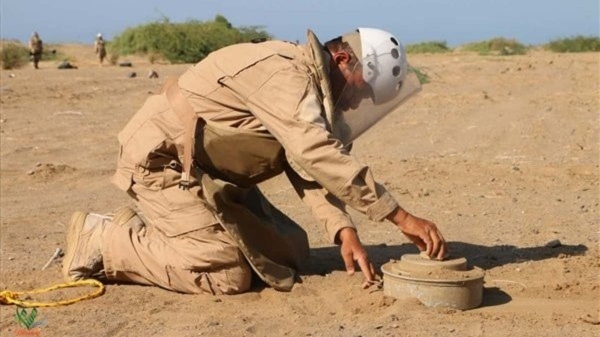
<point>448,283</point>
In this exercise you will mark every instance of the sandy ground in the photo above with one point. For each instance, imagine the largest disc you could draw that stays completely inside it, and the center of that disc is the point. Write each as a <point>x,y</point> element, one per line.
<point>501,152</point>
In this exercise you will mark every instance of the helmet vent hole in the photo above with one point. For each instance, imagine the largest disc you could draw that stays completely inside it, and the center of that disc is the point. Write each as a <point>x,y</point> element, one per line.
<point>396,71</point>
<point>394,41</point>
<point>395,53</point>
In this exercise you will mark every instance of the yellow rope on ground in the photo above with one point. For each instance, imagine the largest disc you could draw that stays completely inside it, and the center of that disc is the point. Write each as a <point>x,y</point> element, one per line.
<point>12,297</point>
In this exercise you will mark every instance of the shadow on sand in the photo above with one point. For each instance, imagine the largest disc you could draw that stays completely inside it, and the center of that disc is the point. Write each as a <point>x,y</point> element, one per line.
<point>324,260</point>
<point>327,259</point>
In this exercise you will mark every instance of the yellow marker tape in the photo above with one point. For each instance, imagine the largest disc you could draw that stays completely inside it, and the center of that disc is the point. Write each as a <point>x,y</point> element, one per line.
<point>12,297</point>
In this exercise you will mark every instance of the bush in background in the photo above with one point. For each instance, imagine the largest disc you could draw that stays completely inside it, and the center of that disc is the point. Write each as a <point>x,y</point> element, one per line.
<point>113,58</point>
<point>575,44</point>
<point>13,55</point>
<point>187,42</point>
<point>497,46</point>
<point>428,47</point>
<point>50,53</point>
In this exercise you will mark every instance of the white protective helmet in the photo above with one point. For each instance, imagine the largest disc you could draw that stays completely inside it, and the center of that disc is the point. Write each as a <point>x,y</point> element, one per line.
<point>384,63</point>
<point>390,82</point>
<point>99,35</point>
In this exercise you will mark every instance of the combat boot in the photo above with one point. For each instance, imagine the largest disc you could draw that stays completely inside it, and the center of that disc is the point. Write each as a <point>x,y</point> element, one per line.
<point>83,258</point>
<point>84,241</point>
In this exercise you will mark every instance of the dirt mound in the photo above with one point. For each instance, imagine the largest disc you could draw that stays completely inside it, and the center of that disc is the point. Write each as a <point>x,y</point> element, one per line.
<point>45,172</point>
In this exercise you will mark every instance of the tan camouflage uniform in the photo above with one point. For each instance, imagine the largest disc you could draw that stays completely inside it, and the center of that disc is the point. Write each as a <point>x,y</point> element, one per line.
<point>100,48</point>
<point>259,111</point>
<point>35,49</point>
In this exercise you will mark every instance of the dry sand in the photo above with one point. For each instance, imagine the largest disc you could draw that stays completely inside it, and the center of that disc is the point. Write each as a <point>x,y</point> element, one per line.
<point>501,152</point>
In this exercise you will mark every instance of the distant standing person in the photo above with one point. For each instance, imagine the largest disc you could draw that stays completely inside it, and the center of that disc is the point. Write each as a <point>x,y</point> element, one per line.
<point>100,47</point>
<point>35,49</point>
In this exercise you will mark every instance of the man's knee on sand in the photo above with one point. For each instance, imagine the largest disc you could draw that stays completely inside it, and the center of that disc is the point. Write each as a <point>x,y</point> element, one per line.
<point>209,262</point>
<point>204,260</point>
<point>227,281</point>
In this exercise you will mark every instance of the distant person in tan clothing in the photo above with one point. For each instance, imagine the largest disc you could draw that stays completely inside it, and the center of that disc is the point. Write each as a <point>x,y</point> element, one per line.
<point>35,49</point>
<point>99,46</point>
<point>192,156</point>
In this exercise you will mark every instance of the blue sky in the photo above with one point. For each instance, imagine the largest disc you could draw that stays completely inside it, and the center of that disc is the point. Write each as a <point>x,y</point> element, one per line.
<point>453,21</point>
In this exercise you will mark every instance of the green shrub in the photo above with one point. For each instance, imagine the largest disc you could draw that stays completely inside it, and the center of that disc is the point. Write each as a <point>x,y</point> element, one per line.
<point>428,47</point>
<point>187,42</point>
<point>113,58</point>
<point>50,53</point>
<point>421,75</point>
<point>13,55</point>
<point>575,44</point>
<point>497,46</point>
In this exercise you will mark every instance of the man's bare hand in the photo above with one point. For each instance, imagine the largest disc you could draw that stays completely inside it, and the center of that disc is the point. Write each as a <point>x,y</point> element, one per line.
<point>421,232</point>
<point>353,251</point>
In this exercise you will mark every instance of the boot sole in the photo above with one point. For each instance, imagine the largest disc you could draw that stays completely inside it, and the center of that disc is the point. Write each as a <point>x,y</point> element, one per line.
<point>75,227</point>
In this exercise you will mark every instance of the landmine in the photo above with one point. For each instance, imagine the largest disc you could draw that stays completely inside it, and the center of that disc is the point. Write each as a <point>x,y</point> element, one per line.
<point>448,283</point>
